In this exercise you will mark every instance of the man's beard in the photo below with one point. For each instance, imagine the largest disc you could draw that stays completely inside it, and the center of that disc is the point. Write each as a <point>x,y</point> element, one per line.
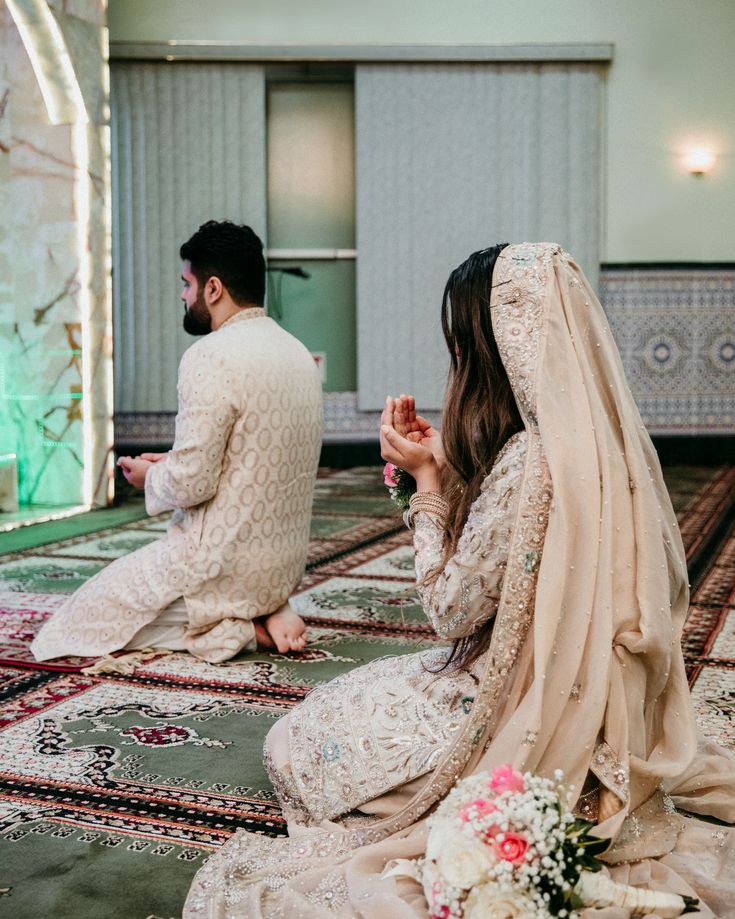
<point>197,320</point>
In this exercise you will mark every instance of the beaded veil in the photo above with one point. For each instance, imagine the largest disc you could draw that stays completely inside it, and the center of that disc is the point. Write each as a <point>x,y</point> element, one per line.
<point>585,671</point>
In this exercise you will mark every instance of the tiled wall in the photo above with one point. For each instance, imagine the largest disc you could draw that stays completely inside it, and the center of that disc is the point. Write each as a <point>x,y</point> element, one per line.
<point>676,334</point>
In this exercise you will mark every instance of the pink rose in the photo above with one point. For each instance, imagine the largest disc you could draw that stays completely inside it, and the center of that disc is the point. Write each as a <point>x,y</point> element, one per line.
<point>505,778</point>
<point>480,807</point>
<point>439,910</point>
<point>389,475</point>
<point>511,848</point>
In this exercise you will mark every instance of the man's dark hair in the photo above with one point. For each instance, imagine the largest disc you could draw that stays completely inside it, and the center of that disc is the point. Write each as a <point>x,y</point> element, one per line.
<point>231,252</point>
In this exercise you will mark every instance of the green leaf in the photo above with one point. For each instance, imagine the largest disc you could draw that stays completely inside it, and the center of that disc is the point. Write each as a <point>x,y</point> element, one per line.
<point>595,846</point>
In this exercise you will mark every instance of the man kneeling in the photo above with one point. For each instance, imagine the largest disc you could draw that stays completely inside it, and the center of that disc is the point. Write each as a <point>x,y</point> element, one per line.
<point>239,478</point>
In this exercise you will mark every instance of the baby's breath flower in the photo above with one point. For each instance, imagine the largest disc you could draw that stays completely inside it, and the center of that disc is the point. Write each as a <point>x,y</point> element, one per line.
<point>508,838</point>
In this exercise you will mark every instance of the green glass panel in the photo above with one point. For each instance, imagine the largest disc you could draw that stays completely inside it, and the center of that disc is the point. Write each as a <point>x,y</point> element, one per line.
<point>41,410</point>
<point>320,312</point>
<point>311,205</point>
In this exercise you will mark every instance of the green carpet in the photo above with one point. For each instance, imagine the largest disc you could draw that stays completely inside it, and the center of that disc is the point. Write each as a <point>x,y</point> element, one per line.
<point>39,534</point>
<point>115,788</point>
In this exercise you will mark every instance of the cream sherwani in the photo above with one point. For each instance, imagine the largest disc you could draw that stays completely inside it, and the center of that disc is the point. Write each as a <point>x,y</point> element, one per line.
<point>240,480</point>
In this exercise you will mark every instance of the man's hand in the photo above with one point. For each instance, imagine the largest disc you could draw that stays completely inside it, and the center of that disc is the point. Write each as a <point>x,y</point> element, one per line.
<point>153,457</point>
<point>134,469</point>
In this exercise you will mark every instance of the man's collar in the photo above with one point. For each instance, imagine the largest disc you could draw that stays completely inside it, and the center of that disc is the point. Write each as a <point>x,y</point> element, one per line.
<point>251,312</point>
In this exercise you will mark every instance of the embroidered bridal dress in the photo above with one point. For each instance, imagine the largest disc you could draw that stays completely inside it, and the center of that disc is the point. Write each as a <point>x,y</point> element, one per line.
<point>572,548</point>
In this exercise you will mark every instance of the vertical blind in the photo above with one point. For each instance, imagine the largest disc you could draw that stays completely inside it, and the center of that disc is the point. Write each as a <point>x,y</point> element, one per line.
<point>450,159</point>
<point>188,145</point>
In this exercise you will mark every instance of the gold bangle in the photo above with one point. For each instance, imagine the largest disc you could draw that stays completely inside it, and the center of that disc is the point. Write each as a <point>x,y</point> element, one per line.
<point>427,502</point>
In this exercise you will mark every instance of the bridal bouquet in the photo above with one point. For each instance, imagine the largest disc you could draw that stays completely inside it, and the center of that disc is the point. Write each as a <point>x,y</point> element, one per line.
<point>504,846</point>
<point>401,485</point>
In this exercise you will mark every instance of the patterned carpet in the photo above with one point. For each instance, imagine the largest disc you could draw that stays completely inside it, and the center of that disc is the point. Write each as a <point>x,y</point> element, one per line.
<point>114,788</point>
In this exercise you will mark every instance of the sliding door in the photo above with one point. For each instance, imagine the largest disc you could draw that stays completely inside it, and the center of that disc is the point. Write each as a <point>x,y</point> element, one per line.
<point>452,158</point>
<point>188,145</point>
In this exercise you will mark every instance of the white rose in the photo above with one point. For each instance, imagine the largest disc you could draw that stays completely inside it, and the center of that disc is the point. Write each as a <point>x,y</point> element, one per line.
<point>490,902</point>
<point>442,831</point>
<point>430,878</point>
<point>464,860</point>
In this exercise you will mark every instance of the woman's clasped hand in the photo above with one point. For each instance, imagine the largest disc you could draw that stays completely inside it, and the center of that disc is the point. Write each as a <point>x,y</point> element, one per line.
<point>409,441</point>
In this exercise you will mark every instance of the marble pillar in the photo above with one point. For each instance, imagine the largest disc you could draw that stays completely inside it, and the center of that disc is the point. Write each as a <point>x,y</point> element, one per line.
<point>55,301</point>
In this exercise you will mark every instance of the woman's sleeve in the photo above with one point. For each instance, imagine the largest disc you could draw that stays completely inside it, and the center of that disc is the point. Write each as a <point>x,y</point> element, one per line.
<point>466,592</point>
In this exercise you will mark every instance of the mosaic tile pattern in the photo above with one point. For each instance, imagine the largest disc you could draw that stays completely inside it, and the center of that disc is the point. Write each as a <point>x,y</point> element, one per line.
<point>676,335</point>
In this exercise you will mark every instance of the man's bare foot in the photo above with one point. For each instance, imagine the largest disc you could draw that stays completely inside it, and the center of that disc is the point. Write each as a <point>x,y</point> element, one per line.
<point>282,631</point>
<point>262,638</point>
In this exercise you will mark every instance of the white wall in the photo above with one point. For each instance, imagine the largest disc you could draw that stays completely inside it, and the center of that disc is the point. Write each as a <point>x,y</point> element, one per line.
<point>671,86</point>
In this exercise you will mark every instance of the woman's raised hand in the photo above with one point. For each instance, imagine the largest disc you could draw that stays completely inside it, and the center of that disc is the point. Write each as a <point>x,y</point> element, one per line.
<point>404,415</point>
<point>415,457</point>
<point>417,429</point>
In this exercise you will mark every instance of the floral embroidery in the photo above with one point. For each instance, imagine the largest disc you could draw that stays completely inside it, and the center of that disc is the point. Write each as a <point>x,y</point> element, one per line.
<point>613,773</point>
<point>532,561</point>
<point>391,721</point>
<point>331,894</point>
<point>588,805</point>
<point>331,751</point>
<point>372,729</point>
<point>518,315</point>
<point>286,790</point>
<point>466,593</point>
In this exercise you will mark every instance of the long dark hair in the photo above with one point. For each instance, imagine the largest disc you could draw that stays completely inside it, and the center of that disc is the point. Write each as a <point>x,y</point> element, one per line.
<point>480,411</point>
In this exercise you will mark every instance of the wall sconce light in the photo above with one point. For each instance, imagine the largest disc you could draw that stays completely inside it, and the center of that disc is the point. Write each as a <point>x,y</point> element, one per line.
<point>699,161</point>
